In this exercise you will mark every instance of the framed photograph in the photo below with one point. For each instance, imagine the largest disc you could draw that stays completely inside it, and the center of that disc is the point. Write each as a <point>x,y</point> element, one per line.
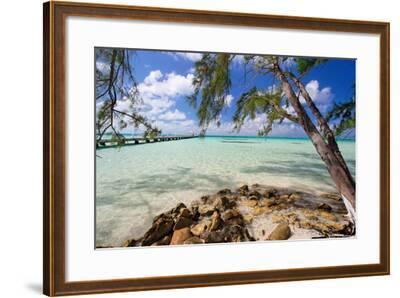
<point>187,148</point>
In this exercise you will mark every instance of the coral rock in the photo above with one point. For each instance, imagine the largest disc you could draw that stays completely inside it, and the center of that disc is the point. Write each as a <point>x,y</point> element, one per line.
<point>281,232</point>
<point>180,236</point>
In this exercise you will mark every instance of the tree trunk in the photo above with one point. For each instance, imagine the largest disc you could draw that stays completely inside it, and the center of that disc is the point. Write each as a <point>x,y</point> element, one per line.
<point>323,124</point>
<point>338,172</point>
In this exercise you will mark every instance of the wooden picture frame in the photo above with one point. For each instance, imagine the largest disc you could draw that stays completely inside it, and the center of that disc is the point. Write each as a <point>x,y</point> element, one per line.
<point>54,147</point>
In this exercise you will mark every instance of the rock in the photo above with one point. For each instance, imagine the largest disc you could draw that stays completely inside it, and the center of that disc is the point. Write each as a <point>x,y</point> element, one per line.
<point>243,190</point>
<point>327,215</point>
<point>325,207</point>
<point>195,204</point>
<point>236,234</point>
<point>225,191</point>
<point>278,218</point>
<point>254,194</point>
<point>198,229</point>
<point>222,203</point>
<point>281,232</point>
<point>229,214</point>
<point>266,202</point>
<point>183,222</point>
<point>206,210</point>
<point>178,208</point>
<point>349,229</point>
<point>160,228</point>
<point>280,206</point>
<point>212,236</point>
<point>311,217</point>
<point>234,197</point>
<point>194,240</point>
<point>321,227</point>
<point>291,218</point>
<point>309,212</point>
<point>129,243</point>
<point>157,217</point>
<point>269,193</point>
<point>195,213</point>
<point>337,227</point>
<point>284,197</point>
<point>332,195</point>
<point>249,203</point>
<point>164,241</point>
<point>215,221</point>
<point>204,199</point>
<point>227,234</point>
<point>248,219</point>
<point>232,217</point>
<point>233,234</point>
<point>235,221</point>
<point>295,197</point>
<point>185,212</point>
<point>180,236</point>
<point>305,224</point>
<point>248,236</point>
<point>260,210</point>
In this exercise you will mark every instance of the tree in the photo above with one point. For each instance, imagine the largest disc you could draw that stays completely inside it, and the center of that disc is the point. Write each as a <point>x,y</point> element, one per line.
<point>345,113</point>
<point>115,83</point>
<point>212,82</point>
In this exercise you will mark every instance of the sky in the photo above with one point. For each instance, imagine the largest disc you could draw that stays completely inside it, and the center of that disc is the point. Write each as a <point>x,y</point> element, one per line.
<point>165,79</point>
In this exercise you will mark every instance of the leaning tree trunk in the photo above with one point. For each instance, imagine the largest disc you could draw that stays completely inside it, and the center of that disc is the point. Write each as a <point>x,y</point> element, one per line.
<point>323,124</point>
<point>338,172</point>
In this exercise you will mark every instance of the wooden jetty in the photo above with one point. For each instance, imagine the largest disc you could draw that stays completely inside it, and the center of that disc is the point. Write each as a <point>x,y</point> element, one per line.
<point>140,140</point>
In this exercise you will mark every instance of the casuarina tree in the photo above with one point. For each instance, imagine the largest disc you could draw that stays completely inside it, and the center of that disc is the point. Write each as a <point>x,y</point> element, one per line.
<point>286,99</point>
<point>115,87</point>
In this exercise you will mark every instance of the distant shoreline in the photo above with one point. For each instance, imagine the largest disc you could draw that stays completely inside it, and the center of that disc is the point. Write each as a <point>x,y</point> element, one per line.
<point>244,136</point>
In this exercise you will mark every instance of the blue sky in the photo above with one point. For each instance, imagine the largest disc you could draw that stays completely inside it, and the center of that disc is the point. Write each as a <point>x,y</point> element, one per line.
<point>164,80</point>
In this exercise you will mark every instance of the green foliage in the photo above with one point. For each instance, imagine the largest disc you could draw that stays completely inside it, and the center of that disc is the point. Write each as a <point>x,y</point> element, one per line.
<point>115,82</point>
<point>344,126</point>
<point>346,114</point>
<point>211,83</point>
<point>255,102</point>
<point>304,65</point>
<point>152,133</point>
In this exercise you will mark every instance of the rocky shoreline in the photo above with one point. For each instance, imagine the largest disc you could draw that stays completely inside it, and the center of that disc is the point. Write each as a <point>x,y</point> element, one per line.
<point>255,213</point>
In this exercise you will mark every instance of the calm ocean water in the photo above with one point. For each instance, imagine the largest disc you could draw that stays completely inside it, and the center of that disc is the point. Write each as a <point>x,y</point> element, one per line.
<point>135,183</point>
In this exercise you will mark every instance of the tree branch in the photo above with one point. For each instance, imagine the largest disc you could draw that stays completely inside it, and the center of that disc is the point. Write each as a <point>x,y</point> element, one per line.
<point>285,114</point>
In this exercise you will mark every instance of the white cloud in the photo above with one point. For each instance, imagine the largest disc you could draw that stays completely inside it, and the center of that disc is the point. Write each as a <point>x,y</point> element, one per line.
<point>238,59</point>
<point>228,100</point>
<point>185,127</point>
<point>157,84</point>
<point>153,77</point>
<point>102,67</point>
<point>289,63</point>
<point>159,91</point>
<point>173,115</point>
<point>123,105</point>
<point>187,56</point>
<point>251,128</point>
<point>323,98</point>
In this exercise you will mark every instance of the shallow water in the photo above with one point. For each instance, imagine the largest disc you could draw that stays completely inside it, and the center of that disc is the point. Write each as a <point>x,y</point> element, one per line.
<point>135,183</point>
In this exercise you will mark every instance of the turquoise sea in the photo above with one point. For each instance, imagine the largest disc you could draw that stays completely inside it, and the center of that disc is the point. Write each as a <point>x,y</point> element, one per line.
<point>135,183</point>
